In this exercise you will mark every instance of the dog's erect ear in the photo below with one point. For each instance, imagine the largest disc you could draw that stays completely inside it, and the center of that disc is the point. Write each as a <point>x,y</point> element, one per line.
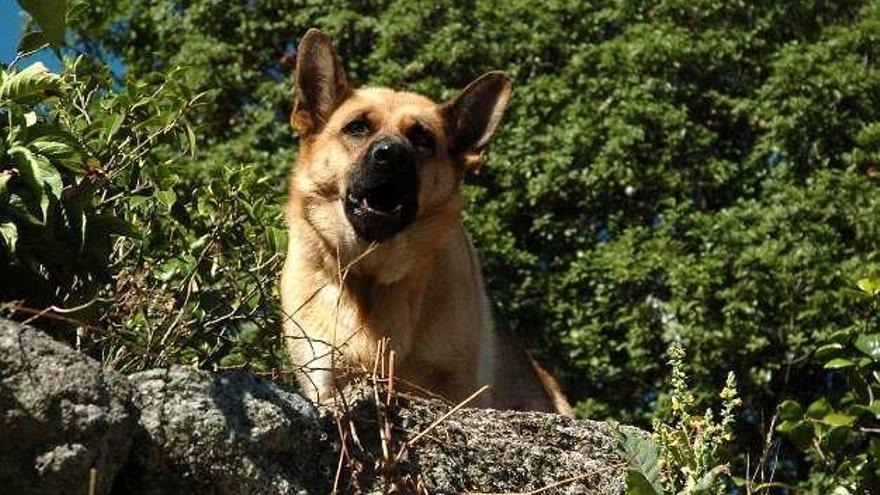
<point>320,83</point>
<point>473,116</point>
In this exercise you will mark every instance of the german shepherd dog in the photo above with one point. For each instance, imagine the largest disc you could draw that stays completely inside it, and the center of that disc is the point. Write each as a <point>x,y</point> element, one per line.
<point>377,250</point>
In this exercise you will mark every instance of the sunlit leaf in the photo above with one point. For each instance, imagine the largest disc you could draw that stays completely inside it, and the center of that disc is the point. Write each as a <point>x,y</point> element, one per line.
<point>167,198</point>
<point>869,344</point>
<point>643,458</point>
<point>870,284</point>
<point>28,164</point>
<point>826,352</point>
<point>839,363</point>
<point>112,126</point>
<point>51,178</point>
<point>34,80</point>
<point>837,419</point>
<point>5,177</point>
<point>9,235</point>
<point>191,139</point>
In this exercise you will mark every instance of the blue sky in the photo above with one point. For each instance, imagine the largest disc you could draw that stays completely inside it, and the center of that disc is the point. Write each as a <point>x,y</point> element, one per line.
<point>11,21</point>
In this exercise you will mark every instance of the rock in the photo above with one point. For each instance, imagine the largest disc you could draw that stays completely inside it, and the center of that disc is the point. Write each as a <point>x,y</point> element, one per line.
<point>61,417</point>
<point>485,451</point>
<point>194,431</point>
<point>227,433</point>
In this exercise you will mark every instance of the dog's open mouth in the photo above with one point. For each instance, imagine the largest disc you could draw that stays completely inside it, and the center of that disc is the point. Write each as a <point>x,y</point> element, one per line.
<point>383,200</point>
<point>379,212</point>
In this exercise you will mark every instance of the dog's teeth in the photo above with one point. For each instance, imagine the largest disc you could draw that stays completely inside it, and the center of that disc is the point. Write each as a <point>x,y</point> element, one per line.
<point>397,208</point>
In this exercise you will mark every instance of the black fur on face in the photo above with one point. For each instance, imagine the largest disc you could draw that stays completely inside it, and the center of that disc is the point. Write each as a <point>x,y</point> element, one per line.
<point>381,198</point>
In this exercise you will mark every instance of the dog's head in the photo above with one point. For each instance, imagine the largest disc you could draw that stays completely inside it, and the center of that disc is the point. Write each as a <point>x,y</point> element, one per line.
<point>383,162</point>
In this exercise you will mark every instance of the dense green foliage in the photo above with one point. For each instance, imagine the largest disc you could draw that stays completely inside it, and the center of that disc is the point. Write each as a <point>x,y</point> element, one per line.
<point>699,170</point>
<point>840,431</point>
<point>100,228</point>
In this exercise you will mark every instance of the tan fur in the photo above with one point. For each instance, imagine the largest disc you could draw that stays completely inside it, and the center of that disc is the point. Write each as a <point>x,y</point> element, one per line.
<point>421,289</point>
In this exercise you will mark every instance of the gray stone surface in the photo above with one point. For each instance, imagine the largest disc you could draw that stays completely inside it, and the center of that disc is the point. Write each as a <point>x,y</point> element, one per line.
<point>488,451</point>
<point>193,431</point>
<point>230,433</point>
<point>61,416</point>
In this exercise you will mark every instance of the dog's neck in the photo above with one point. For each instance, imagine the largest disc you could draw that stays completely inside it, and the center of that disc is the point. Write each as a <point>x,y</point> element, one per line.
<point>376,293</point>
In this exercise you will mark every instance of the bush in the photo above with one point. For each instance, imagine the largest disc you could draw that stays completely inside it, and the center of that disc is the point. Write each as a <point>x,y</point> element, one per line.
<point>838,431</point>
<point>104,229</point>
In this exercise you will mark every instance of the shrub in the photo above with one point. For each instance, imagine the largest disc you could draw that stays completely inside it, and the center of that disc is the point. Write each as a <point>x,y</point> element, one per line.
<point>839,430</point>
<point>103,230</point>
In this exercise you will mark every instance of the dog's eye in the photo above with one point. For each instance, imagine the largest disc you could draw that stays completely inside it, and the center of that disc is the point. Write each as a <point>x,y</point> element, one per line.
<point>421,139</point>
<point>357,127</point>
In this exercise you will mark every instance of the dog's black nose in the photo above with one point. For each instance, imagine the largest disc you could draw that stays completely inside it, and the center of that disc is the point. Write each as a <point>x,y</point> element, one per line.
<point>388,151</point>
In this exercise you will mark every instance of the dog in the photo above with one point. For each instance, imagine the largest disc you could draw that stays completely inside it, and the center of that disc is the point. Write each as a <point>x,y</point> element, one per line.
<point>376,249</point>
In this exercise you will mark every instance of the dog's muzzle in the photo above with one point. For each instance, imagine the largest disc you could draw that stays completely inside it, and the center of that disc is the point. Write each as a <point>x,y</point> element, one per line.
<point>382,194</point>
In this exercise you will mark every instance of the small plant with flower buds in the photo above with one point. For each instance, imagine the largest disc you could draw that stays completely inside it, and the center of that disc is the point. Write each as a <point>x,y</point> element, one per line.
<point>684,454</point>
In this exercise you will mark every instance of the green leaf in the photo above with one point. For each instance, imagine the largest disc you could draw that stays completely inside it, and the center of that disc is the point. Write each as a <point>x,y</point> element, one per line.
<point>869,344</point>
<point>707,481</point>
<point>837,419</point>
<point>859,411</point>
<point>874,448</point>
<point>870,284</point>
<point>29,167</point>
<point>51,177</point>
<point>643,457</point>
<point>839,363</point>
<point>106,224</point>
<point>112,125</point>
<point>5,176</point>
<point>827,352</point>
<point>167,198</point>
<point>233,359</point>
<point>191,138</point>
<point>51,149</point>
<point>798,433</point>
<point>277,239</point>
<point>9,235</point>
<point>819,409</point>
<point>59,153</point>
<point>50,15</point>
<point>32,42</point>
<point>638,484</point>
<point>790,410</point>
<point>34,81</point>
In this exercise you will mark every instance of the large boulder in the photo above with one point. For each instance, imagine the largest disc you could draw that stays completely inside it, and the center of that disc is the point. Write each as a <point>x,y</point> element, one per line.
<point>477,450</point>
<point>228,433</point>
<point>65,424</point>
<point>233,433</point>
<point>181,430</point>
